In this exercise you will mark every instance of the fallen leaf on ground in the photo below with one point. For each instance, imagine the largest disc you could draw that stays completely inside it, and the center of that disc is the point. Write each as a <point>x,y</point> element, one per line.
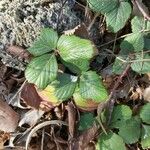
<point>85,138</point>
<point>71,118</point>
<point>19,52</point>
<point>8,117</point>
<point>30,95</point>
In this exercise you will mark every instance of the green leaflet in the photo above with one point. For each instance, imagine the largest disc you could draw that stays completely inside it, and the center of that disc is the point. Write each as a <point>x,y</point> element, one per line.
<point>86,121</point>
<point>42,70</point>
<point>145,139</point>
<point>102,6</point>
<point>133,42</point>
<point>142,63</point>
<point>91,87</point>
<point>111,141</point>
<point>46,42</point>
<point>64,86</point>
<point>75,50</point>
<point>117,12</point>
<point>139,24</point>
<point>145,113</point>
<point>120,114</point>
<point>130,126</point>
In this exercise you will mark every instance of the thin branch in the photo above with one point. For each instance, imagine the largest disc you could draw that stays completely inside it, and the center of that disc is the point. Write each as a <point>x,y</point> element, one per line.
<point>111,99</point>
<point>140,7</point>
<point>147,30</point>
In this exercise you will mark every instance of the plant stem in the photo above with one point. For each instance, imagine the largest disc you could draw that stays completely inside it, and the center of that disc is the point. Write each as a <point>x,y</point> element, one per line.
<point>111,100</point>
<point>147,30</point>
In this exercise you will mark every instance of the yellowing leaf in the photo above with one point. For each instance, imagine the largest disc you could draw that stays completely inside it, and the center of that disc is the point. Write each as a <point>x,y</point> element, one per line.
<point>48,94</point>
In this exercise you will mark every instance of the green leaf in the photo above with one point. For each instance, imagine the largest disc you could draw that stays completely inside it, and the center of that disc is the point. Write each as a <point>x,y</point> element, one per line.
<point>74,50</point>
<point>117,12</point>
<point>141,64</point>
<point>133,42</point>
<point>84,104</point>
<point>117,18</point>
<point>120,114</point>
<point>64,86</point>
<point>145,113</point>
<point>145,139</point>
<point>139,24</point>
<point>130,130</point>
<point>91,87</point>
<point>111,141</point>
<point>46,42</point>
<point>102,6</point>
<point>86,121</point>
<point>147,43</point>
<point>42,70</point>
<point>81,65</point>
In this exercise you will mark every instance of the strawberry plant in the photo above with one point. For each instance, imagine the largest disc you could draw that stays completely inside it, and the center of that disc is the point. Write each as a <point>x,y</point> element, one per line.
<point>85,86</point>
<point>75,53</point>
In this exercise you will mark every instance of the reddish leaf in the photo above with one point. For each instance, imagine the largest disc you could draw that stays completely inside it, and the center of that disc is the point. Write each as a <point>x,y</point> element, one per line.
<point>8,117</point>
<point>30,95</point>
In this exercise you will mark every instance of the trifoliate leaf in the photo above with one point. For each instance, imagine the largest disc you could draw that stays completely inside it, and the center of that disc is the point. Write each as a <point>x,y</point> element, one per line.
<point>120,114</point>
<point>130,130</point>
<point>145,139</point>
<point>64,86</point>
<point>46,42</point>
<point>91,87</point>
<point>117,12</point>
<point>111,141</point>
<point>145,113</point>
<point>133,42</point>
<point>139,24</point>
<point>86,121</point>
<point>42,70</point>
<point>73,49</point>
<point>141,63</point>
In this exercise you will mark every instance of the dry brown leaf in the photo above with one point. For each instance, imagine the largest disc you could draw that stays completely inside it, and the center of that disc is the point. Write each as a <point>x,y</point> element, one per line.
<point>30,95</point>
<point>85,138</point>
<point>71,118</point>
<point>8,117</point>
<point>79,30</point>
<point>18,51</point>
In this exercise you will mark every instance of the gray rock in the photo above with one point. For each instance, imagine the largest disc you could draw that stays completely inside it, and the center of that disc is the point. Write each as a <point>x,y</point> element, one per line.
<point>22,20</point>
